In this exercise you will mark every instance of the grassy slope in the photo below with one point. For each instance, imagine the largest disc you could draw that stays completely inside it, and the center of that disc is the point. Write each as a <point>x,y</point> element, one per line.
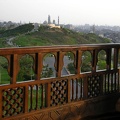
<point>46,36</point>
<point>17,31</point>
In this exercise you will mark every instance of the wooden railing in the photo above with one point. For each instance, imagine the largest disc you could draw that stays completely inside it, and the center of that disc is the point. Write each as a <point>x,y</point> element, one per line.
<point>19,99</point>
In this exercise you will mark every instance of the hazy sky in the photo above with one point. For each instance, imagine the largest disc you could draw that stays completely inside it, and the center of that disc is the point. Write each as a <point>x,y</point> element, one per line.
<point>98,12</point>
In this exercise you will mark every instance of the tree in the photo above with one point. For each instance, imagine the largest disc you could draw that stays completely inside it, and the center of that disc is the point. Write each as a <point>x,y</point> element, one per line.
<point>26,63</point>
<point>46,72</point>
<point>71,68</point>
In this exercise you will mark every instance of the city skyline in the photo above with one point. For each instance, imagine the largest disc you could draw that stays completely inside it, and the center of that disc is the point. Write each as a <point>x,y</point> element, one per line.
<point>77,12</point>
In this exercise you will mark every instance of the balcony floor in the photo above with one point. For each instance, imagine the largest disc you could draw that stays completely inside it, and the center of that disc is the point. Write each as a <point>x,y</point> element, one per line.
<point>107,116</point>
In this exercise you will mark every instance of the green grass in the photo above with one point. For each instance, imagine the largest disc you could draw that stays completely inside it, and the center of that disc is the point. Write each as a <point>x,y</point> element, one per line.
<point>30,41</point>
<point>93,38</point>
<point>40,103</point>
<point>3,43</point>
<point>57,38</point>
<point>4,77</point>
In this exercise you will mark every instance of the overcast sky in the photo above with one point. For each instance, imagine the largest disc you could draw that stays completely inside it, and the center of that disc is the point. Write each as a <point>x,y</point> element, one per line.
<point>98,12</point>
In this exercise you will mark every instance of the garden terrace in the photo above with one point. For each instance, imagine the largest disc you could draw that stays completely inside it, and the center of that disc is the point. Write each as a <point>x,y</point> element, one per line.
<point>59,82</point>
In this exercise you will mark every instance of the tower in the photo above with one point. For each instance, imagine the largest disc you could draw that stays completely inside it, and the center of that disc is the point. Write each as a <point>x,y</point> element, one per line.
<point>58,20</point>
<point>53,21</point>
<point>49,21</point>
<point>93,28</point>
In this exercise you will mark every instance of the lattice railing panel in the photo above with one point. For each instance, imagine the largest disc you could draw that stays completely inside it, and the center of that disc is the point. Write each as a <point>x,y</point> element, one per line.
<point>93,86</point>
<point>12,101</point>
<point>58,92</point>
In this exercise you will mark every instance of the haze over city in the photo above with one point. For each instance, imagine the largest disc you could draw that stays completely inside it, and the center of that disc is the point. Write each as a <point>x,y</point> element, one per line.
<point>99,12</point>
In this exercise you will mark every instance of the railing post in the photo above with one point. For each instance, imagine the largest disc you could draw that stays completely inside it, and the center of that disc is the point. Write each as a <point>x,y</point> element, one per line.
<point>59,63</point>
<point>101,84</point>
<point>48,95</point>
<point>69,91</point>
<point>0,104</point>
<point>94,61</point>
<point>38,65</point>
<point>78,61</point>
<point>109,58</point>
<point>85,88</point>
<point>14,68</point>
<point>26,94</point>
<point>115,63</point>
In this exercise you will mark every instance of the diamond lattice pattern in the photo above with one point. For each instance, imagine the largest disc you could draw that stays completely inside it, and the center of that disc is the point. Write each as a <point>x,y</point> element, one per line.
<point>58,92</point>
<point>93,86</point>
<point>12,101</point>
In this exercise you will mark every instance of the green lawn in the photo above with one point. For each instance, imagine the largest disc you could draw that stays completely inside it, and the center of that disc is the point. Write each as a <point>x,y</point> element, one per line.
<point>36,103</point>
<point>4,77</point>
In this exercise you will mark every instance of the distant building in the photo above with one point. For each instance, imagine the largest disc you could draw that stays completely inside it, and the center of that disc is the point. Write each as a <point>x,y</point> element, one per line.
<point>53,26</point>
<point>101,35</point>
<point>8,25</point>
<point>93,29</point>
<point>58,20</point>
<point>45,22</point>
<point>36,26</point>
<point>53,21</point>
<point>69,26</point>
<point>49,19</point>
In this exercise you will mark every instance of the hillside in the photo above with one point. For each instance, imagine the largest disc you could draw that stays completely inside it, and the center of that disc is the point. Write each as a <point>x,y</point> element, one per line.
<point>24,36</point>
<point>17,31</point>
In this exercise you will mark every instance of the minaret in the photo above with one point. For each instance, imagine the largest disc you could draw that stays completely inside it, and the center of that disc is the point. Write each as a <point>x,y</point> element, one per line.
<point>58,20</point>
<point>53,21</point>
<point>49,21</point>
<point>93,28</point>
